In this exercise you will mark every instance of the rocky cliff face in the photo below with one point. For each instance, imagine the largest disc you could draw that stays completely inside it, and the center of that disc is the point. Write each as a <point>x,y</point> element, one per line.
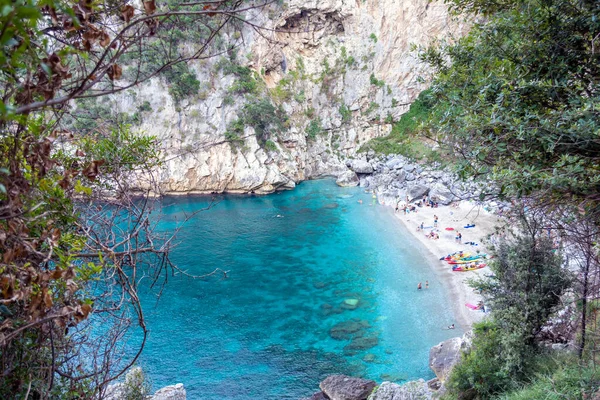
<point>344,66</point>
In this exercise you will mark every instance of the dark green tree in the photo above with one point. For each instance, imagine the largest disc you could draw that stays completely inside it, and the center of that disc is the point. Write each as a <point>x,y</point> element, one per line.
<point>518,99</point>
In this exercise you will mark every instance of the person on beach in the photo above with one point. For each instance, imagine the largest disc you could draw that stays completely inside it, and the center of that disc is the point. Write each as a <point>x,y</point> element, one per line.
<point>435,221</point>
<point>426,284</point>
<point>419,287</point>
<point>420,227</point>
<point>458,237</point>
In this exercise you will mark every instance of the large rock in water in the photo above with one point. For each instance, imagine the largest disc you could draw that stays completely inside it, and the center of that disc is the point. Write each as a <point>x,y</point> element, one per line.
<point>444,356</point>
<point>413,390</point>
<point>342,387</point>
<point>348,178</point>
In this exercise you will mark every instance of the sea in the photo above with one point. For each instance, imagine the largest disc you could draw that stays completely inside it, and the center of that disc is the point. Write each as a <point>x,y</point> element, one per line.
<point>310,282</point>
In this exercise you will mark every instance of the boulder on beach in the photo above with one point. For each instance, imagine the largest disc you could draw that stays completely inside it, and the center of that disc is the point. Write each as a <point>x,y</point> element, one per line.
<point>348,178</point>
<point>361,167</point>
<point>416,191</point>
<point>441,193</point>
<point>342,387</point>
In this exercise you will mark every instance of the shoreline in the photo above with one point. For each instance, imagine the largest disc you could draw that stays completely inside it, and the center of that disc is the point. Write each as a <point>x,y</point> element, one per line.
<point>457,288</point>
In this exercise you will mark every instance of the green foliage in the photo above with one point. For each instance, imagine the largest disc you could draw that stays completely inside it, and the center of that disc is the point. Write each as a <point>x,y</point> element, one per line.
<point>376,82</point>
<point>310,112</point>
<point>300,65</point>
<point>519,97</point>
<point>345,113</point>
<point>372,107</point>
<point>266,119</point>
<point>246,83</point>
<point>282,92</point>
<point>527,284</point>
<point>404,138</point>
<point>524,290</point>
<point>300,97</point>
<point>564,378</point>
<point>145,107</point>
<point>182,81</point>
<point>373,37</point>
<point>270,146</point>
<point>347,59</point>
<point>92,115</point>
<point>228,99</point>
<point>479,373</point>
<point>314,128</point>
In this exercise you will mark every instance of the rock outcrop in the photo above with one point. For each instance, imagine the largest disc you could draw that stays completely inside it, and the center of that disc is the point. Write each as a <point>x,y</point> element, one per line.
<point>344,65</point>
<point>135,386</point>
<point>413,390</point>
<point>444,356</point>
<point>395,179</point>
<point>172,392</point>
<point>342,387</point>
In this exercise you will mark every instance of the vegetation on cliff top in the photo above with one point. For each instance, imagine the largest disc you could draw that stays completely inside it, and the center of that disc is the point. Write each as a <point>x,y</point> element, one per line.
<point>518,101</point>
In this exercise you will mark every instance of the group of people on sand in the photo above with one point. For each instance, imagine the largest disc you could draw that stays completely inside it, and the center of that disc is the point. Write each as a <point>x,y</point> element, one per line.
<point>433,234</point>
<point>408,208</point>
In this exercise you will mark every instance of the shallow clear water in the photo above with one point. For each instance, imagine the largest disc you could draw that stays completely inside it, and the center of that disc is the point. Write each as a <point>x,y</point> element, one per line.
<point>264,332</point>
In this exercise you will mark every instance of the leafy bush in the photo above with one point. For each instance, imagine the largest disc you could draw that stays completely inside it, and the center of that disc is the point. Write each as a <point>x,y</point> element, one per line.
<point>404,136</point>
<point>145,107</point>
<point>480,371</point>
<point>245,82</point>
<point>300,97</point>
<point>373,37</point>
<point>563,378</point>
<point>345,113</point>
<point>314,128</point>
<point>182,81</point>
<point>263,116</point>
<point>376,82</point>
<point>270,146</point>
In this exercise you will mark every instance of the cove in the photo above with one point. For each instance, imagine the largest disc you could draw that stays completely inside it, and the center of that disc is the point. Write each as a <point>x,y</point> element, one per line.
<point>300,263</point>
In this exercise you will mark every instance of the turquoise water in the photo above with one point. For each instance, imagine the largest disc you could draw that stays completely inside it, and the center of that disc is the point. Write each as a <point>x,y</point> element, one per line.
<point>264,332</point>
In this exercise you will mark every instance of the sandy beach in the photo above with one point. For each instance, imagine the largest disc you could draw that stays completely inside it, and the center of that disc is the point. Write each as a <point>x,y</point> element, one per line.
<point>454,217</point>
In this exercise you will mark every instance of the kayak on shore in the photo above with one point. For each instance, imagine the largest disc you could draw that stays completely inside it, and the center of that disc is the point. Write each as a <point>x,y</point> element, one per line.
<point>472,267</point>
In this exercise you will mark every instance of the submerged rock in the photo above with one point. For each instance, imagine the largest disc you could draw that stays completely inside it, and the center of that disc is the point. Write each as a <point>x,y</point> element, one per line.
<point>342,387</point>
<point>347,330</point>
<point>350,304</point>
<point>361,343</point>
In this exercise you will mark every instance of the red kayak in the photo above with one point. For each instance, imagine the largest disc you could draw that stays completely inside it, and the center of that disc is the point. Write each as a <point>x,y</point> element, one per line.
<point>464,268</point>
